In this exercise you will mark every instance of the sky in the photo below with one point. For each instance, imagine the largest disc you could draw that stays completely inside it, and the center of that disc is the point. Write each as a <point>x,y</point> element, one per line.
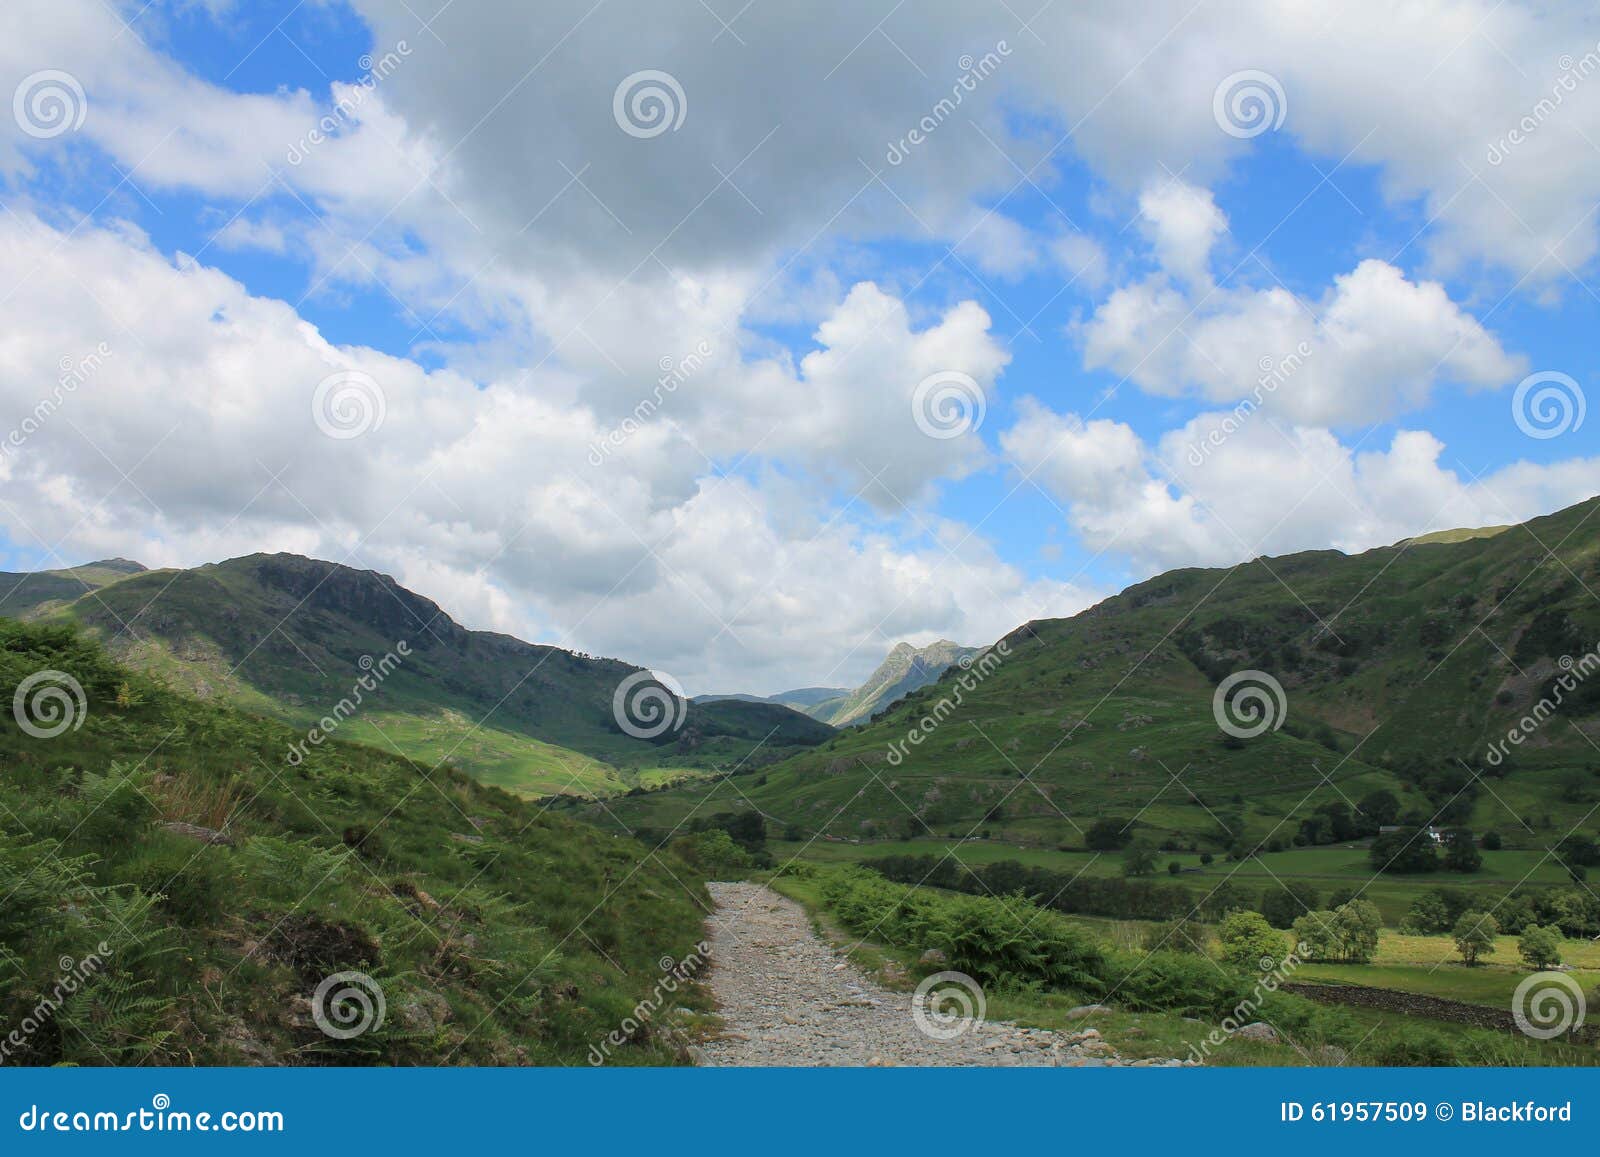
<point>745,340</point>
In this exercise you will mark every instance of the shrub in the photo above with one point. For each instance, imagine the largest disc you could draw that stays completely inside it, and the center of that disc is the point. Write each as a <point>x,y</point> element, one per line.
<point>1540,946</point>
<point>1474,935</point>
<point>1177,982</point>
<point>715,853</point>
<point>1247,939</point>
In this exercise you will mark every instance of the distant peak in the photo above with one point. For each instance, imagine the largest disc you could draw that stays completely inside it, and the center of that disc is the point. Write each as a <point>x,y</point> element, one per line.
<point>120,565</point>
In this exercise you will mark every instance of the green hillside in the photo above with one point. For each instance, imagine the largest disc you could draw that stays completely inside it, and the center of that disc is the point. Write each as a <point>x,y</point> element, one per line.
<point>291,636</point>
<point>199,889</point>
<point>1399,668</point>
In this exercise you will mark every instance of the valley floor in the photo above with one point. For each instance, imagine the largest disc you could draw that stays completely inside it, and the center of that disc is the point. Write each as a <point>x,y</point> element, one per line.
<point>789,999</point>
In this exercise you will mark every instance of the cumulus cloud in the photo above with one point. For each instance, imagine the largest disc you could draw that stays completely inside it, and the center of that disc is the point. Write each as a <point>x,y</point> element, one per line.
<point>1195,500</point>
<point>1374,346</point>
<point>191,431</point>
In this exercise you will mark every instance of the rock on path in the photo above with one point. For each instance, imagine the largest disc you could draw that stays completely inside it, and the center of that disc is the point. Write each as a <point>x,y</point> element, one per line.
<point>787,998</point>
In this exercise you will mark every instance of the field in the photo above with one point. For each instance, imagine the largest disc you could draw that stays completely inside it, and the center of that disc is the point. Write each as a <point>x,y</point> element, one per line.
<point>1310,1033</point>
<point>1323,869</point>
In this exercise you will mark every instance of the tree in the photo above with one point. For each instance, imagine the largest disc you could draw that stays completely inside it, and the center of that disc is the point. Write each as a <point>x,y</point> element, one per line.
<point>1248,941</point>
<point>715,853</point>
<point>1107,835</point>
<point>1491,841</point>
<point>1540,946</point>
<point>1173,867</point>
<point>1474,936</point>
<point>1206,858</point>
<point>1405,850</point>
<point>1347,934</point>
<point>1139,859</point>
<point>1378,808</point>
<point>1461,851</point>
<point>1283,904</point>
<point>1428,915</point>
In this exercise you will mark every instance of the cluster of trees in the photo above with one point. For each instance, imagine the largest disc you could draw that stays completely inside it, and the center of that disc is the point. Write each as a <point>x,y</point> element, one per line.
<point>1571,911</point>
<point>1131,899</point>
<point>1411,850</point>
<point>1347,934</point>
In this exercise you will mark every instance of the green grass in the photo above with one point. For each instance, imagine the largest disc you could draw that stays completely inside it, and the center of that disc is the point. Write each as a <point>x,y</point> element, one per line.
<point>497,933</point>
<point>1313,1034</point>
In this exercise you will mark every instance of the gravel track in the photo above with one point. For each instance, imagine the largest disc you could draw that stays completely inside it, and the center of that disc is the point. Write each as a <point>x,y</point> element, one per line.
<point>787,998</point>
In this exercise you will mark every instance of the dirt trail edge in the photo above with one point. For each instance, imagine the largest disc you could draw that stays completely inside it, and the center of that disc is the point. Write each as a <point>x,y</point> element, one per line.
<point>787,998</point>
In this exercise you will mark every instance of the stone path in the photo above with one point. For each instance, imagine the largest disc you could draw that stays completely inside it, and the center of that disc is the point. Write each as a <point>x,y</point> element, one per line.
<point>787,998</point>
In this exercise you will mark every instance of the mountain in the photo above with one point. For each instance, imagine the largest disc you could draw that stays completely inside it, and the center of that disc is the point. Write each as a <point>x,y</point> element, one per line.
<point>295,637</point>
<point>1404,668</point>
<point>231,884</point>
<point>29,593</point>
<point>906,669</point>
<point>802,699</point>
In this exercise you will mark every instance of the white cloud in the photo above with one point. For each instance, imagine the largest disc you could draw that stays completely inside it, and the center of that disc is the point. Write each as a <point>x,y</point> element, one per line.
<point>1374,346</point>
<point>1191,500</point>
<point>485,497</point>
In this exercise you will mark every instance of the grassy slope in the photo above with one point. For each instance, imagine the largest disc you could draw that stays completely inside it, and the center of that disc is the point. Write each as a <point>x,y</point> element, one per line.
<point>1102,710</point>
<point>283,635</point>
<point>499,934</point>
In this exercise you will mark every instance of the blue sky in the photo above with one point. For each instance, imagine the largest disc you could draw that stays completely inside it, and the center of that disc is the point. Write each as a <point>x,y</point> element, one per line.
<point>499,267</point>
